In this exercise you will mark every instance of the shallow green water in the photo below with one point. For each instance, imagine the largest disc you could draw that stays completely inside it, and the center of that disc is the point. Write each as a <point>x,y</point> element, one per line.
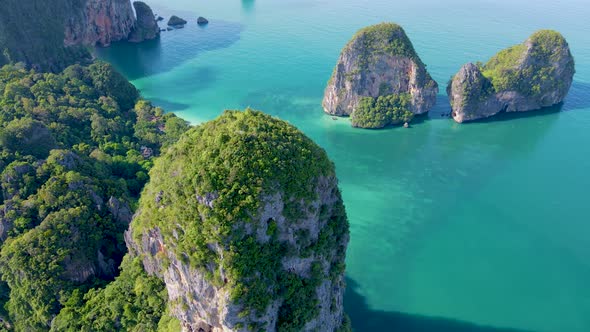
<point>484,224</point>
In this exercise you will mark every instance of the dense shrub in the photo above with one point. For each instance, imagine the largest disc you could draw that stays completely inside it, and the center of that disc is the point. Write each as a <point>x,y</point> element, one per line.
<point>382,111</point>
<point>75,151</point>
<point>528,68</point>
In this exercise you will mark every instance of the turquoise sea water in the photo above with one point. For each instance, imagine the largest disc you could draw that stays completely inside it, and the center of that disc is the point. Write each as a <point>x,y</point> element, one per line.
<point>478,227</point>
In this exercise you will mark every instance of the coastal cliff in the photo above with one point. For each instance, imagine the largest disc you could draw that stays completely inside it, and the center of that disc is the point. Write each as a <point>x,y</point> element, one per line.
<point>50,35</point>
<point>99,23</point>
<point>379,61</point>
<point>146,27</point>
<point>244,222</point>
<point>525,77</point>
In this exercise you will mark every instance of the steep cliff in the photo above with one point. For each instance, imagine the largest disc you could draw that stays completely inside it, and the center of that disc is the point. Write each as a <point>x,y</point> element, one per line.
<point>99,23</point>
<point>244,222</point>
<point>50,35</point>
<point>33,32</point>
<point>379,61</point>
<point>146,26</point>
<point>525,77</point>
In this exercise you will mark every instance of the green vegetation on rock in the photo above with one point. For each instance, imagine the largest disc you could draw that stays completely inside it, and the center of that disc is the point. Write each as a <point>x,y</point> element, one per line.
<point>382,111</point>
<point>206,193</point>
<point>133,302</point>
<point>475,90</point>
<point>75,150</point>
<point>527,68</point>
<point>379,79</point>
<point>384,38</point>
<point>32,31</point>
<point>502,69</point>
<point>535,74</point>
<point>48,262</point>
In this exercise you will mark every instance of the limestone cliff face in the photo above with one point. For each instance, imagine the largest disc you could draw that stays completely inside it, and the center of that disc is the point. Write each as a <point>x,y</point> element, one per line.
<point>245,243</point>
<point>146,26</point>
<point>380,60</point>
<point>530,76</point>
<point>100,23</point>
<point>58,32</point>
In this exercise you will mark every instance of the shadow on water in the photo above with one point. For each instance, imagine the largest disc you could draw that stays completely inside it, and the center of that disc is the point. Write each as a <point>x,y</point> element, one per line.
<point>365,319</point>
<point>442,108</point>
<point>169,106</point>
<point>185,83</point>
<point>578,97</point>
<point>508,116</point>
<point>171,50</point>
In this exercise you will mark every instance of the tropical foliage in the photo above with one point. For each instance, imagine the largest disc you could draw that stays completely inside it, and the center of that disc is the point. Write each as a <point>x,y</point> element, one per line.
<point>75,152</point>
<point>529,67</point>
<point>382,111</point>
<point>206,190</point>
<point>32,31</point>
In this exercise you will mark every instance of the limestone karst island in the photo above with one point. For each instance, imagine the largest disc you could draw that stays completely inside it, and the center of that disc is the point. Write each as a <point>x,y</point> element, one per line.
<point>286,166</point>
<point>379,79</point>
<point>525,77</point>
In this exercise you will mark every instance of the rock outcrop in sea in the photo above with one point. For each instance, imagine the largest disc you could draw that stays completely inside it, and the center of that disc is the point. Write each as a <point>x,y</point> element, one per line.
<point>175,21</point>
<point>379,62</point>
<point>524,77</point>
<point>244,222</point>
<point>146,26</point>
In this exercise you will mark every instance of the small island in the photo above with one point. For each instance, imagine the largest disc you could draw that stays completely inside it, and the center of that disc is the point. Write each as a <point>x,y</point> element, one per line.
<point>379,80</point>
<point>535,74</point>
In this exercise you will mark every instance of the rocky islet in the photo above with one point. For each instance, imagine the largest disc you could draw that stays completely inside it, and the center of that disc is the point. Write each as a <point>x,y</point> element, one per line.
<point>524,77</point>
<point>379,79</point>
<point>177,22</point>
